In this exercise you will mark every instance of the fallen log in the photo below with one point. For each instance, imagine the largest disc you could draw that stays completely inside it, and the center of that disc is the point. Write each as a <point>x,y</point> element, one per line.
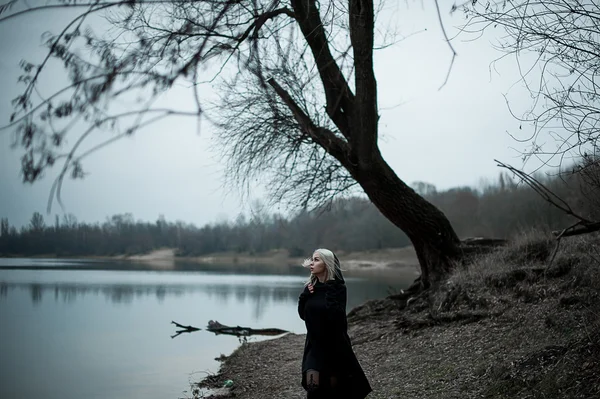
<point>218,328</point>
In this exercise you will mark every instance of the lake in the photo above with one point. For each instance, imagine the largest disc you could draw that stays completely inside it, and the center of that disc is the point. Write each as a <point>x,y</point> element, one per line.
<point>74,328</point>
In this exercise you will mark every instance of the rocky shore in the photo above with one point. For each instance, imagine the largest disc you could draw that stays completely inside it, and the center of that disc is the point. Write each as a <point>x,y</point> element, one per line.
<point>509,326</point>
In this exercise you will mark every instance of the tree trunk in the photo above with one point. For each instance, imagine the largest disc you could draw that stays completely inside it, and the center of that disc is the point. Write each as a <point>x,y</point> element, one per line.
<point>356,117</point>
<point>430,232</point>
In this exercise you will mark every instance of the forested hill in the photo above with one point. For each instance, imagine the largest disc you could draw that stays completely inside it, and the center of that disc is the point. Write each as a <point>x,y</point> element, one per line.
<point>351,224</point>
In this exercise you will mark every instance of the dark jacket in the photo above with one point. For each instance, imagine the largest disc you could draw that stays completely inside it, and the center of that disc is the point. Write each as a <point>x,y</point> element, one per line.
<point>328,348</point>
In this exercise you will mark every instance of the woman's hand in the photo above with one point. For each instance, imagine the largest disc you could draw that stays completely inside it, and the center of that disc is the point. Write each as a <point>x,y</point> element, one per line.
<point>311,288</point>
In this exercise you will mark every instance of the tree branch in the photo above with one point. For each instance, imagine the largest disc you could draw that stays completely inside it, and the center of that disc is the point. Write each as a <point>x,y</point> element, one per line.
<point>579,228</point>
<point>544,192</point>
<point>439,14</point>
<point>582,226</point>
<point>258,23</point>
<point>365,118</point>
<point>338,95</point>
<point>325,137</point>
<point>562,35</point>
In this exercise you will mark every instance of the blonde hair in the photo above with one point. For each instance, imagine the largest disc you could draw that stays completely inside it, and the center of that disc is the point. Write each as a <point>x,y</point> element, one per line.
<point>332,264</point>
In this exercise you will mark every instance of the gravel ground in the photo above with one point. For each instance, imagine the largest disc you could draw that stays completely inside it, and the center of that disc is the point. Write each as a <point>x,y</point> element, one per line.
<point>531,337</point>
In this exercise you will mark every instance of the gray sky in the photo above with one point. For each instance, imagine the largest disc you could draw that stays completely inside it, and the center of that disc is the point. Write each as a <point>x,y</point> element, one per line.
<point>447,137</point>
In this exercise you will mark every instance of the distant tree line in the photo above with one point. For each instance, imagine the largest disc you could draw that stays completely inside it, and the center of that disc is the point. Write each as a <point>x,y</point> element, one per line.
<point>495,209</point>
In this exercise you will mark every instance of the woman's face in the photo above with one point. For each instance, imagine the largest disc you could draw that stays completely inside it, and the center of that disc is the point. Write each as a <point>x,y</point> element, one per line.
<point>317,265</point>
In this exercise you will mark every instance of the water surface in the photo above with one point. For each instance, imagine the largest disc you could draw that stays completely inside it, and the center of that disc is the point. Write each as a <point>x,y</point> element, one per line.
<point>98,329</point>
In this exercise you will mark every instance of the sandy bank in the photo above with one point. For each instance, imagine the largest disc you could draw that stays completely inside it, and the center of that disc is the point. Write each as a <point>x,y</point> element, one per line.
<point>160,259</point>
<point>388,259</point>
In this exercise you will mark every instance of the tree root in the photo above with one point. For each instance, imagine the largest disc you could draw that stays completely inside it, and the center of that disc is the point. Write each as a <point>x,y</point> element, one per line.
<point>415,289</point>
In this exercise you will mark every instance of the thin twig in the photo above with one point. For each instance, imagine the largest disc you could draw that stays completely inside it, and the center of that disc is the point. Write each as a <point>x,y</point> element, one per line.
<point>439,14</point>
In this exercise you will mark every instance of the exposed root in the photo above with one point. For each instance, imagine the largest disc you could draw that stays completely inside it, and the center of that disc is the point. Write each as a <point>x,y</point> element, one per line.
<point>415,288</point>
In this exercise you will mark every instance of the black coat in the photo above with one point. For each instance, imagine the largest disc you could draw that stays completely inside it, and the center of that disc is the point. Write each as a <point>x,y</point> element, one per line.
<point>328,348</point>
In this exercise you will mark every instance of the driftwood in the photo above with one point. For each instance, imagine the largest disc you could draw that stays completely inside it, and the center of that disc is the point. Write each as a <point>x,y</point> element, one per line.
<point>218,328</point>
<point>184,329</point>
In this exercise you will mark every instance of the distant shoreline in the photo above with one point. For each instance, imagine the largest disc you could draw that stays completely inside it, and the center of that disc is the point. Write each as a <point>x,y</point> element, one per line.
<point>383,259</point>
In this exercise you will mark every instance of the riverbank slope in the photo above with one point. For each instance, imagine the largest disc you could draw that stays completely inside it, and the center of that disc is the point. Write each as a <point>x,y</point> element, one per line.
<point>509,326</point>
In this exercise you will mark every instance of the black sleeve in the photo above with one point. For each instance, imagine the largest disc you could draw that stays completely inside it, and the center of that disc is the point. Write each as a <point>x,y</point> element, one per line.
<point>335,302</point>
<point>302,302</point>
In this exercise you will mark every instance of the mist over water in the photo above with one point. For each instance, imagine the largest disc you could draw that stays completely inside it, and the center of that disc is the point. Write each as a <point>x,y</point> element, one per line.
<point>73,329</point>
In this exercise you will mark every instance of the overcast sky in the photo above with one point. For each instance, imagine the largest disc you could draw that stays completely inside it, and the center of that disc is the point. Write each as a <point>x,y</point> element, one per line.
<point>447,138</point>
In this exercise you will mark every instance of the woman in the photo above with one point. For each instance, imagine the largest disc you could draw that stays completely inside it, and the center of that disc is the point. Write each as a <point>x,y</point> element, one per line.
<point>329,367</point>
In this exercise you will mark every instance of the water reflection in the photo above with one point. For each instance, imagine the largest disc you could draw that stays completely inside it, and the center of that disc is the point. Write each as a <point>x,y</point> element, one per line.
<point>69,293</point>
<point>173,266</point>
<point>257,295</point>
<point>126,293</point>
<point>36,293</point>
<point>123,287</point>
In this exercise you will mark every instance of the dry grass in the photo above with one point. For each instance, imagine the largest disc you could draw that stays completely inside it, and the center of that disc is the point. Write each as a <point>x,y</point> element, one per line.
<point>530,248</point>
<point>564,297</point>
<point>507,326</point>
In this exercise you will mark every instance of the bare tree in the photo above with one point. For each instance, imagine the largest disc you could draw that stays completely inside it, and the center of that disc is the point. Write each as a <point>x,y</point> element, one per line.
<point>37,223</point>
<point>557,47</point>
<point>4,227</point>
<point>298,98</point>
